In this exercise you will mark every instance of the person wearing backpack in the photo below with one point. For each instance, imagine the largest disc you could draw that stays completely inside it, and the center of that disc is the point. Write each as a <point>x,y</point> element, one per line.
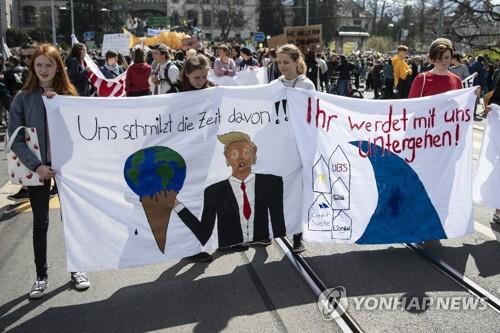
<point>165,76</point>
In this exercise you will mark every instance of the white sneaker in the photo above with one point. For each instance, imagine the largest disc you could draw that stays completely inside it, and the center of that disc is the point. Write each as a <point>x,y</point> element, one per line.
<point>80,280</point>
<point>38,289</point>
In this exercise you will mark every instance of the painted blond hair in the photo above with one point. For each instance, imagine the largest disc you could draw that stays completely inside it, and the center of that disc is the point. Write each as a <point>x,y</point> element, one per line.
<point>232,137</point>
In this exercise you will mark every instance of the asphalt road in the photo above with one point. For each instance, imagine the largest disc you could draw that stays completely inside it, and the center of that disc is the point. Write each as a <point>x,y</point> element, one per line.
<point>256,290</point>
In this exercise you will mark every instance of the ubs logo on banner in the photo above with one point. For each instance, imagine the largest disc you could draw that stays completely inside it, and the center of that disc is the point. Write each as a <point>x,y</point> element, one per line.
<point>331,183</point>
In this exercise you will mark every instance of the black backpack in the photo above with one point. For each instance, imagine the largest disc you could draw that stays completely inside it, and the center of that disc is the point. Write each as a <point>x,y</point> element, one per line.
<point>174,87</point>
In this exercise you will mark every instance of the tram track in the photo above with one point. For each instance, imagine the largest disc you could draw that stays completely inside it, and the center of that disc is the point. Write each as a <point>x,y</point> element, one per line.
<point>344,320</point>
<point>466,283</point>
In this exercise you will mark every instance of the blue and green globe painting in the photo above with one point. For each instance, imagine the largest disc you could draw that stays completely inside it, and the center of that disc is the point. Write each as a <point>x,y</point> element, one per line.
<point>155,169</point>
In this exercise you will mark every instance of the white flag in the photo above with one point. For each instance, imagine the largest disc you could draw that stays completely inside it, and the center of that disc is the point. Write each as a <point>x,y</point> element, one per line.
<point>487,180</point>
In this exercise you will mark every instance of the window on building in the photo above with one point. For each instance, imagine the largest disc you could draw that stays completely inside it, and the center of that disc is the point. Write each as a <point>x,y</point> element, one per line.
<point>193,15</point>
<point>207,18</point>
<point>356,22</point>
<point>239,20</point>
<point>175,18</point>
<point>45,16</point>
<point>29,15</point>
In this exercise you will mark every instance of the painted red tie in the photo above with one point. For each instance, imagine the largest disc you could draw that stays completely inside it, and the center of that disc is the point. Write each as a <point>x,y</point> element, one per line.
<point>247,211</point>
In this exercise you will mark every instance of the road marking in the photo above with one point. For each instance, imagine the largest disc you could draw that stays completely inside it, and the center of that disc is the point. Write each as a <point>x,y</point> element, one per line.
<point>481,228</point>
<point>9,189</point>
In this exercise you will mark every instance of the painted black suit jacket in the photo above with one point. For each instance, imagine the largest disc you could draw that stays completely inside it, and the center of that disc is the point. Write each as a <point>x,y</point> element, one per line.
<point>220,203</point>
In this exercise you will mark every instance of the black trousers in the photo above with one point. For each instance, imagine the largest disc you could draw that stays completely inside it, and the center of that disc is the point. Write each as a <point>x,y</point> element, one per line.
<point>388,91</point>
<point>39,200</point>
<point>403,88</point>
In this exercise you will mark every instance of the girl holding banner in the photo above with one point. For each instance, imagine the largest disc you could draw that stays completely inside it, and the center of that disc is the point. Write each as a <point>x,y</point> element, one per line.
<point>47,77</point>
<point>194,77</point>
<point>195,72</point>
<point>439,79</point>
<point>293,68</point>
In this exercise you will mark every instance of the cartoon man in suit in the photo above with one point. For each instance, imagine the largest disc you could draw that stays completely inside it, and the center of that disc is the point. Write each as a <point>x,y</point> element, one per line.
<point>243,204</point>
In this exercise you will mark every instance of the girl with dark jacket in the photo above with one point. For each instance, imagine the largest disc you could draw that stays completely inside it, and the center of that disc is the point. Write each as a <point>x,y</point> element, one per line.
<point>77,70</point>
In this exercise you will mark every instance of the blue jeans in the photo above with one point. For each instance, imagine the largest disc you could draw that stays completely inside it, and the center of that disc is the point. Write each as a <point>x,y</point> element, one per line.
<point>342,87</point>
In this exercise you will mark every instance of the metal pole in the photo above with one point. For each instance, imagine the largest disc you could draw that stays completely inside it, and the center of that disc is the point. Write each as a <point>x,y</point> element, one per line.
<point>212,19</point>
<point>52,12</point>
<point>72,18</point>
<point>307,12</point>
<point>440,19</point>
<point>2,18</point>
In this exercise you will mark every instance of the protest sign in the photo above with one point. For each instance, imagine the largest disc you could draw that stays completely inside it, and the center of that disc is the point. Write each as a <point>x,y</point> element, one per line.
<point>116,42</point>
<point>469,81</point>
<point>307,38</point>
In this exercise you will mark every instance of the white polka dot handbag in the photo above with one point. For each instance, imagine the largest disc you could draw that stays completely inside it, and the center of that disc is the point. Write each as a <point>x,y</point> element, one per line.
<point>18,172</point>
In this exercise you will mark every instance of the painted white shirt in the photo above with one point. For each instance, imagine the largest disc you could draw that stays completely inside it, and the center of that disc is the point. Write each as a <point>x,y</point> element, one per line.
<point>246,225</point>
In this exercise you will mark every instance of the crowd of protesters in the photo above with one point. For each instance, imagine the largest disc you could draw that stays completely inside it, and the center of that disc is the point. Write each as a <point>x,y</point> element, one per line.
<point>43,69</point>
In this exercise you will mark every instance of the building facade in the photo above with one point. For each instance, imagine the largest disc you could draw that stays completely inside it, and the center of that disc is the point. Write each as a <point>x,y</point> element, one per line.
<point>31,14</point>
<point>5,16</point>
<point>213,17</point>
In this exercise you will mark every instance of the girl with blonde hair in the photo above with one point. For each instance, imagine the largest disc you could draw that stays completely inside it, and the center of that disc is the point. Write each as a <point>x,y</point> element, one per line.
<point>293,68</point>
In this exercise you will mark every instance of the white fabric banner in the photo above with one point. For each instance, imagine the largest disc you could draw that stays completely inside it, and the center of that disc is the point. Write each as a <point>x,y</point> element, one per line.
<point>119,161</point>
<point>250,163</point>
<point>487,179</point>
<point>385,171</point>
<point>246,77</point>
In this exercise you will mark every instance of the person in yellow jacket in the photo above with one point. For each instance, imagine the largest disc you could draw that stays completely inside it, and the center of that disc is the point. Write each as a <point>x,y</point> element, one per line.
<point>402,72</point>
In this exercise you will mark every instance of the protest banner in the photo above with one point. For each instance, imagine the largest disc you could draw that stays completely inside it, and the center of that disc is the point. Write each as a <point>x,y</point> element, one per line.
<point>385,172</point>
<point>141,183</point>
<point>116,42</point>
<point>487,179</point>
<point>307,38</point>
<point>246,77</point>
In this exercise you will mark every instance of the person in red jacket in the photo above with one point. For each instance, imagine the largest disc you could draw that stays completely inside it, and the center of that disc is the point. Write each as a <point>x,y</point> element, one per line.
<point>439,79</point>
<point>137,79</point>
